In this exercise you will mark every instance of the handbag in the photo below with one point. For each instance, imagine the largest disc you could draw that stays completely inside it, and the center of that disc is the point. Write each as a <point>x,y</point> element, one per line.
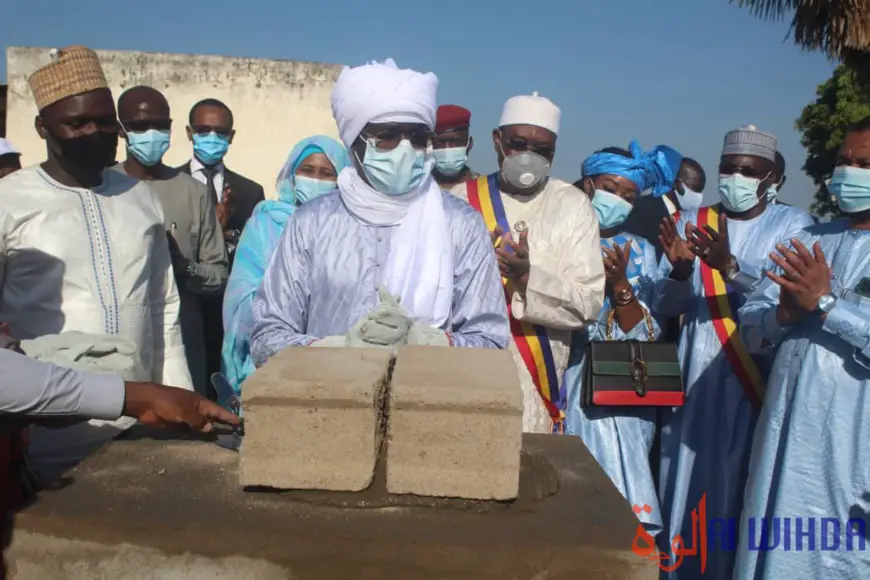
<point>632,372</point>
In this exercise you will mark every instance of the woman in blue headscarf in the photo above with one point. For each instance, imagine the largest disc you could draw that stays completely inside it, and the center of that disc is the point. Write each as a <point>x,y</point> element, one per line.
<point>310,172</point>
<point>621,438</point>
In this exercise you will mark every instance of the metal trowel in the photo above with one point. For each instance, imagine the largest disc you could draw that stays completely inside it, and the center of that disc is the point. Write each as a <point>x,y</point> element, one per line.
<point>228,437</point>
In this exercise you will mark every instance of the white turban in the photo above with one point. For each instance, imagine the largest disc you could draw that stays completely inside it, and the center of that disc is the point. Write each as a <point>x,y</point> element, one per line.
<point>382,92</point>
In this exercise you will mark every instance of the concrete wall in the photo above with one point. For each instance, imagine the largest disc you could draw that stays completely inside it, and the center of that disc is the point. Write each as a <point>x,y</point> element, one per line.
<point>275,102</point>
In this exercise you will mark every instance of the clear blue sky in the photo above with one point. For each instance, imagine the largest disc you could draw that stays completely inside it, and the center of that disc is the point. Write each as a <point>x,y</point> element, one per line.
<point>675,72</point>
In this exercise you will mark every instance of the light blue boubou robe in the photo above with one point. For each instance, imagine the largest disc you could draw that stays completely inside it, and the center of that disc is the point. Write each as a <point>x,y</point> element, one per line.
<point>328,265</point>
<point>620,439</point>
<point>705,445</point>
<point>810,462</point>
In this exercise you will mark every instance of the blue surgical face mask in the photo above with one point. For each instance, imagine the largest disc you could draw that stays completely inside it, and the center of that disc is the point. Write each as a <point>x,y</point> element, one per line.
<point>450,161</point>
<point>850,186</point>
<point>771,194</point>
<point>398,171</point>
<point>149,146</point>
<point>210,148</point>
<point>308,188</point>
<point>611,209</point>
<point>738,192</point>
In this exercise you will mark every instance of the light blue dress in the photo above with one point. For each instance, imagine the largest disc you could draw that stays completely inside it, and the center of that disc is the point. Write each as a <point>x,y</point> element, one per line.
<point>326,270</point>
<point>256,245</point>
<point>705,444</point>
<point>620,439</point>
<point>810,462</point>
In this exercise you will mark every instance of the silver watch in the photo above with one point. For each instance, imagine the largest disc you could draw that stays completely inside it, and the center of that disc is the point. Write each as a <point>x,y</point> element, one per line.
<point>826,303</point>
<point>191,269</point>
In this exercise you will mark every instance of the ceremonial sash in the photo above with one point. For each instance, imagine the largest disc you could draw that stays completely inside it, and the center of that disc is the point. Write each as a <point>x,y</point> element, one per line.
<point>722,302</point>
<point>530,339</point>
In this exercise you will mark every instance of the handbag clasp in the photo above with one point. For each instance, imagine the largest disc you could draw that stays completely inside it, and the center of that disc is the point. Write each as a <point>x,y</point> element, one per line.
<point>639,375</point>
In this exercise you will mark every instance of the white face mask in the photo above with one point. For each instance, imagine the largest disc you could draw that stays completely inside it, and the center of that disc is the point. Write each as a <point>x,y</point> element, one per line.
<point>689,199</point>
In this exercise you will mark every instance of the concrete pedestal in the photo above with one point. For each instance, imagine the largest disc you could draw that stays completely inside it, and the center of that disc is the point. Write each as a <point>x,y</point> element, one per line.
<point>172,509</point>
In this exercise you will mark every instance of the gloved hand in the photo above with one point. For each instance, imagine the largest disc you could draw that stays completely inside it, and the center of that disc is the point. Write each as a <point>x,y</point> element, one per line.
<point>385,326</point>
<point>331,341</point>
<point>422,335</point>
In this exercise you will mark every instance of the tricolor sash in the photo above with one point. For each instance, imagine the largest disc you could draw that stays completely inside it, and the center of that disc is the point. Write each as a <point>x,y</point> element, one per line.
<point>530,339</point>
<point>723,305</point>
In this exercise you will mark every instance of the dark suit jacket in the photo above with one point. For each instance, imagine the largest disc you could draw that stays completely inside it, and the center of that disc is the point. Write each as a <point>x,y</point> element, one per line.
<point>245,194</point>
<point>645,219</point>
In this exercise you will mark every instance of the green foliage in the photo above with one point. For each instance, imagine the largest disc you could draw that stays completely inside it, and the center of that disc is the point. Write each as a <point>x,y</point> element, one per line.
<point>840,102</point>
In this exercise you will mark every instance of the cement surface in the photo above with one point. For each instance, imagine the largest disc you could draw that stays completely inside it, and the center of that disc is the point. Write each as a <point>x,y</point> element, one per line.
<point>141,504</point>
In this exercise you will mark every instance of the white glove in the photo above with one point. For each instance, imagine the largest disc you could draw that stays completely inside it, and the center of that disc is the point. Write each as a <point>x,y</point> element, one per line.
<point>385,326</point>
<point>422,335</point>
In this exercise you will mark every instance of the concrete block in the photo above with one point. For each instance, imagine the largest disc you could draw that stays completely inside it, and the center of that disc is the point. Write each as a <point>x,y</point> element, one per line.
<point>314,419</point>
<point>455,427</point>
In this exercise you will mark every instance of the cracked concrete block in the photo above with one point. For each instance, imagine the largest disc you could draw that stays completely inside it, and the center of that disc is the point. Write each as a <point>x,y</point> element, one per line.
<point>455,427</point>
<point>314,419</point>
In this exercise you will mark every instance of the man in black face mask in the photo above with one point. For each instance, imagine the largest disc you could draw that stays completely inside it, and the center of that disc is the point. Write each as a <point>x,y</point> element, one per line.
<point>546,241</point>
<point>84,247</point>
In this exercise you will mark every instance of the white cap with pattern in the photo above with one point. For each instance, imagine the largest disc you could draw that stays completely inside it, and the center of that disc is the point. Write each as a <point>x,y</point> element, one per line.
<point>750,141</point>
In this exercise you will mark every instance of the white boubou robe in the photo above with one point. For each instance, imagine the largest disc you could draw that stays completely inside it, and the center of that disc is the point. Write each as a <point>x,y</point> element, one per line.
<point>95,261</point>
<point>566,281</point>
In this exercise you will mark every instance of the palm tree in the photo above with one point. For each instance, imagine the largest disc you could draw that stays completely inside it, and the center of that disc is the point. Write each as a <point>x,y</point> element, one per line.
<point>840,28</point>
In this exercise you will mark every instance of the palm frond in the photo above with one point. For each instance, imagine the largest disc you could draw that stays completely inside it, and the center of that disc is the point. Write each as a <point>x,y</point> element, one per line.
<point>836,27</point>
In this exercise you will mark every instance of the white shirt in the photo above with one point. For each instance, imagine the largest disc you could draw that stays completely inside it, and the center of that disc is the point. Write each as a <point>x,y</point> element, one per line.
<point>672,209</point>
<point>566,281</point>
<point>197,171</point>
<point>92,260</point>
<point>34,389</point>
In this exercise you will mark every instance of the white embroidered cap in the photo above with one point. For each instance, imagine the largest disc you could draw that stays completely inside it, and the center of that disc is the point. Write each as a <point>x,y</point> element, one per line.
<point>531,110</point>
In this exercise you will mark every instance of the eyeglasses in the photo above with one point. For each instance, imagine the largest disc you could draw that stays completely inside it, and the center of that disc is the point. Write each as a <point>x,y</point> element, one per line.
<point>449,140</point>
<point>205,130</point>
<point>521,144</point>
<point>142,126</point>
<point>389,139</point>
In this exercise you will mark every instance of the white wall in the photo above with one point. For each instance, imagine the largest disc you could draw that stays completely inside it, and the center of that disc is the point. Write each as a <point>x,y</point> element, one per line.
<point>275,102</point>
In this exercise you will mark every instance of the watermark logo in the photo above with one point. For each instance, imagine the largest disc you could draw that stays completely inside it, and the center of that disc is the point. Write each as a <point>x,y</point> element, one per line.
<point>798,534</point>
<point>644,545</point>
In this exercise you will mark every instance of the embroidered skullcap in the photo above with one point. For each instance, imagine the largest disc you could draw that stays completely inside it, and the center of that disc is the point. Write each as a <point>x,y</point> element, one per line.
<point>451,117</point>
<point>750,141</point>
<point>382,93</point>
<point>531,110</point>
<point>72,71</point>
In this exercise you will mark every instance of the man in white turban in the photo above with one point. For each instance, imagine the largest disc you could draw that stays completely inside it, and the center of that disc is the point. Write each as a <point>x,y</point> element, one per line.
<point>388,258</point>
<point>548,250</point>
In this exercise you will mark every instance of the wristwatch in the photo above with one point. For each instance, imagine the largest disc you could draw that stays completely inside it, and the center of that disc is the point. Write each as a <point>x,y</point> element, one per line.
<point>732,270</point>
<point>623,297</point>
<point>191,269</point>
<point>826,303</point>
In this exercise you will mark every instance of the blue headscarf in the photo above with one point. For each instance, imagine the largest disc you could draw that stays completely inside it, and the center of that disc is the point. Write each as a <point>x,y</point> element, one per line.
<point>258,242</point>
<point>656,169</point>
<point>334,151</point>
